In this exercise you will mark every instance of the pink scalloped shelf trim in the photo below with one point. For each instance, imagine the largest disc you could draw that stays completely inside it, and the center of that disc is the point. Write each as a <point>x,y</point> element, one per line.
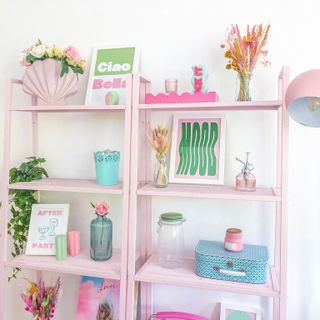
<point>183,98</point>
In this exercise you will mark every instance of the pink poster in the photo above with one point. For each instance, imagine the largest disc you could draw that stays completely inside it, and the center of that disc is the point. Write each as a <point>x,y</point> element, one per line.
<point>98,299</point>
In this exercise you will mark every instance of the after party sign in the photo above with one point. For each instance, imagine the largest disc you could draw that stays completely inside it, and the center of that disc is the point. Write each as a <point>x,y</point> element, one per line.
<point>47,221</point>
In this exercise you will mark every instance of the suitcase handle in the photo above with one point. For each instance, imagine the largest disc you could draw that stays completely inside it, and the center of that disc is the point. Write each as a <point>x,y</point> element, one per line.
<point>176,315</point>
<point>240,273</point>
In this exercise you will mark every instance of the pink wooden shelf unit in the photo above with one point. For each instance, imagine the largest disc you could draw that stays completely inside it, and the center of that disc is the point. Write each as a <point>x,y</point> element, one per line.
<point>144,267</point>
<point>116,267</point>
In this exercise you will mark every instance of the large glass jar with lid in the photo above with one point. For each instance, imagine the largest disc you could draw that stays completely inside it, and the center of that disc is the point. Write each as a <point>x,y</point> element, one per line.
<point>170,239</point>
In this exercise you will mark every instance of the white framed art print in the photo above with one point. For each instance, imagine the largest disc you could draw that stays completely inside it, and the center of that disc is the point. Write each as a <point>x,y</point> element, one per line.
<point>47,221</point>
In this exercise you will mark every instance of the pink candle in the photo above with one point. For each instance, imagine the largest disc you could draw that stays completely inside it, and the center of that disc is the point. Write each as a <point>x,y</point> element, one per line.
<point>74,243</point>
<point>233,240</point>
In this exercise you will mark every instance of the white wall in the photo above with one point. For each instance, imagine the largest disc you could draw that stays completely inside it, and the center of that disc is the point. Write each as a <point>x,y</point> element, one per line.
<point>173,35</point>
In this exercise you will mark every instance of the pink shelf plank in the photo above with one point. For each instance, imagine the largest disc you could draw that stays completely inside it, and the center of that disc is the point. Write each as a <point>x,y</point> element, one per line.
<point>68,108</point>
<point>185,277</point>
<point>220,105</point>
<point>67,185</point>
<point>209,192</point>
<point>79,265</point>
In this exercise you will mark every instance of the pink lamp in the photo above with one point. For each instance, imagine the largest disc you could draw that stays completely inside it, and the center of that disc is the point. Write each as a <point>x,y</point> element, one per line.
<point>303,98</point>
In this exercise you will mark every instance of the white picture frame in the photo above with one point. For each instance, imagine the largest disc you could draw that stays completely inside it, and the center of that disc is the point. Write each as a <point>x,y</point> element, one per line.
<point>227,310</point>
<point>108,72</point>
<point>47,221</point>
<point>185,165</point>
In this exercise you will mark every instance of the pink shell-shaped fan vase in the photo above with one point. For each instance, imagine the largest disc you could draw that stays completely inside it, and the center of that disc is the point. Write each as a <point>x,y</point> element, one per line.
<point>42,79</point>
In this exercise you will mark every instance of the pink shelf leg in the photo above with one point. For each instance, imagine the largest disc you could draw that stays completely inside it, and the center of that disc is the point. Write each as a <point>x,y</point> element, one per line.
<point>5,201</point>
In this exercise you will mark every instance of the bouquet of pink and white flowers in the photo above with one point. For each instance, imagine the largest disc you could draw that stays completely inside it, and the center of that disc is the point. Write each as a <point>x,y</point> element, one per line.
<point>69,57</point>
<point>40,300</point>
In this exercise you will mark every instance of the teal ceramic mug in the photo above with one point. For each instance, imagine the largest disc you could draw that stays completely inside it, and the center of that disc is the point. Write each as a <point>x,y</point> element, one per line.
<point>107,167</point>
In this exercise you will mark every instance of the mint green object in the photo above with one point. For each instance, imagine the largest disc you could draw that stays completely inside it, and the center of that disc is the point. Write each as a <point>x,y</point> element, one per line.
<point>112,98</point>
<point>238,315</point>
<point>107,167</point>
<point>171,216</point>
<point>61,247</point>
<point>101,238</point>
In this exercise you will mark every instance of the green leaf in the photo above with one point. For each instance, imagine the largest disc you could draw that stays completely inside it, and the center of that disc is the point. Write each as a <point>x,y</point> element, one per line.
<point>21,204</point>
<point>30,58</point>
<point>64,69</point>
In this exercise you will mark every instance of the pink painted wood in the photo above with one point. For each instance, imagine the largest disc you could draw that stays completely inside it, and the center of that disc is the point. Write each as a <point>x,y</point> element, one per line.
<point>141,198</point>
<point>185,277</point>
<point>281,236</point>
<point>132,237</point>
<point>221,105</point>
<point>185,97</point>
<point>125,199</point>
<point>78,265</point>
<point>210,192</point>
<point>116,267</point>
<point>68,185</point>
<point>5,201</point>
<point>69,108</point>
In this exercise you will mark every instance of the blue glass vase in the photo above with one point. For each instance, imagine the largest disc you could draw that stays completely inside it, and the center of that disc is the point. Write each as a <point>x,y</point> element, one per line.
<point>101,238</point>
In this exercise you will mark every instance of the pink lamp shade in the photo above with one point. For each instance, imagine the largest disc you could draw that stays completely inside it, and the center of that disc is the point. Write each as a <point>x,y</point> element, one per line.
<point>303,98</point>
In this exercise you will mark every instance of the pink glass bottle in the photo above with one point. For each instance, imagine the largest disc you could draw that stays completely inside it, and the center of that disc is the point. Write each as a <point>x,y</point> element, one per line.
<point>246,181</point>
<point>233,240</point>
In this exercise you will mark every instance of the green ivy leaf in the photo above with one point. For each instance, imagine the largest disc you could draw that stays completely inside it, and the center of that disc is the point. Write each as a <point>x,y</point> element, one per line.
<point>21,204</point>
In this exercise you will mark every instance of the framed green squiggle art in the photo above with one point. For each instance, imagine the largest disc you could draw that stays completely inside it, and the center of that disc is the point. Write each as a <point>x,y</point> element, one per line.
<point>198,146</point>
<point>236,312</point>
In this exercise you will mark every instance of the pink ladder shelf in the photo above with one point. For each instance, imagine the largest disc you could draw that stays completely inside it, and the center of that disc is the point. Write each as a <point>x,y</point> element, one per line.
<point>116,267</point>
<point>78,265</point>
<point>209,192</point>
<point>67,185</point>
<point>185,276</point>
<point>147,270</point>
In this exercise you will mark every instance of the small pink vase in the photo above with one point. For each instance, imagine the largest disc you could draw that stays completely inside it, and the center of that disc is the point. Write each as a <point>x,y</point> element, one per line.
<point>42,79</point>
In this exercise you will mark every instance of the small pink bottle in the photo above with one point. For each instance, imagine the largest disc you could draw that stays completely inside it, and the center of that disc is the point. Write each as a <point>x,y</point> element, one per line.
<point>233,240</point>
<point>246,181</point>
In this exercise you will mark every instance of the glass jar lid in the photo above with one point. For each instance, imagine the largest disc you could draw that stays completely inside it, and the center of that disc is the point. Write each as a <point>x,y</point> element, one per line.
<point>171,217</point>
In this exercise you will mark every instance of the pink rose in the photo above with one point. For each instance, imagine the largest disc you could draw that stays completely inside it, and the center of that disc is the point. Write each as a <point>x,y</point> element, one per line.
<point>25,63</point>
<point>72,53</point>
<point>102,208</point>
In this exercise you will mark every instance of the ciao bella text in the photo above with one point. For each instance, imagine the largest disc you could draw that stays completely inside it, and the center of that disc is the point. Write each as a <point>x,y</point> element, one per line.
<point>115,83</point>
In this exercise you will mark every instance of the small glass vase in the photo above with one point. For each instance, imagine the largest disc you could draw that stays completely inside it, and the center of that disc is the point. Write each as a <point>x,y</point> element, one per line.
<point>161,179</point>
<point>101,238</point>
<point>244,86</point>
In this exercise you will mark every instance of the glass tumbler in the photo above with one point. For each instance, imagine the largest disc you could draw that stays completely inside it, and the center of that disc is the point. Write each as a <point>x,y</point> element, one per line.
<point>171,85</point>
<point>170,240</point>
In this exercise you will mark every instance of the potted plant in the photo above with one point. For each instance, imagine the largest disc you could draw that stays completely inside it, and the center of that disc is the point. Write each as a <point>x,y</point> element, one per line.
<point>21,204</point>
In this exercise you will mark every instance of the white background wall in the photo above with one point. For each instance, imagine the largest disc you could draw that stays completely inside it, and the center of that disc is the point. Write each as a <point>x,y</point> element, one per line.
<point>173,35</point>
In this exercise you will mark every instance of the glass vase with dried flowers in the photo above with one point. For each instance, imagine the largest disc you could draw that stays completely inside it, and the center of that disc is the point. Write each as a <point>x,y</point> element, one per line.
<point>244,53</point>
<point>160,141</point>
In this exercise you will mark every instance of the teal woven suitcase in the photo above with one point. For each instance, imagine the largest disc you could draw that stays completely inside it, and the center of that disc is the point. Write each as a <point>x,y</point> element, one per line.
<point>249,265</point>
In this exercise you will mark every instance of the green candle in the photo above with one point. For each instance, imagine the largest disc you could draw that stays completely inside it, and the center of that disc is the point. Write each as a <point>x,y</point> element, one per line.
<point>61,247</point>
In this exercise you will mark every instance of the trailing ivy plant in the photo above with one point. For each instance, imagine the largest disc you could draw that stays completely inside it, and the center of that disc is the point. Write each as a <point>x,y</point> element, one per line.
<point>21,204</point>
